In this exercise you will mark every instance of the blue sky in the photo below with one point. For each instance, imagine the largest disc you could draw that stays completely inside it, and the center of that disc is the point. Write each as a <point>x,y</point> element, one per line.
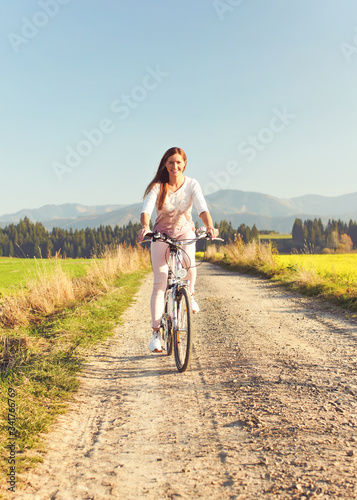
<point>261,94</point>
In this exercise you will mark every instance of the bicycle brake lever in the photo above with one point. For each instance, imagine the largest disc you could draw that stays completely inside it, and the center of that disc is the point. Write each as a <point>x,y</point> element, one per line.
<point>201,231</point>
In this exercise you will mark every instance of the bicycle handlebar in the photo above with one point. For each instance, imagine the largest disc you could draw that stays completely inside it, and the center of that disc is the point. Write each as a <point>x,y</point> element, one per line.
<point>156,236</point>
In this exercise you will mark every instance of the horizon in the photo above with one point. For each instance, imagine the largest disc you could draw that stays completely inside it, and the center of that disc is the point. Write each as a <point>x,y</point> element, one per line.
<point>135,203</point>
<point>260,96</point>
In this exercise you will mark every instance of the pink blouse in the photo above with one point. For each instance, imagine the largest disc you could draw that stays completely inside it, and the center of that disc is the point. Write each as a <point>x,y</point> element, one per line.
<point>175,216</point>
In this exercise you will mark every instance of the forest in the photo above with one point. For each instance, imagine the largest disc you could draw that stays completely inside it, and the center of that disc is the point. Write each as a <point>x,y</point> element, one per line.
<point>313,237</point>
<point>28,239</point>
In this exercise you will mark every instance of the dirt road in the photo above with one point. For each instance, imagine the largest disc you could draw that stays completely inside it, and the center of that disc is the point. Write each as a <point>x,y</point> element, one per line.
<point>267,409</point>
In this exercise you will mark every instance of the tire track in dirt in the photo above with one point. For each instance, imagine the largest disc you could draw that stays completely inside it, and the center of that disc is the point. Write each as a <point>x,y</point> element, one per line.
<point>267,408</point>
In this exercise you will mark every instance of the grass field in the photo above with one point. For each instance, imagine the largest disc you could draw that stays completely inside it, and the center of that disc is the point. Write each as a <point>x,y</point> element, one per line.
<point>332,277</point>
<point>15,273</point>
<point>341,267</point>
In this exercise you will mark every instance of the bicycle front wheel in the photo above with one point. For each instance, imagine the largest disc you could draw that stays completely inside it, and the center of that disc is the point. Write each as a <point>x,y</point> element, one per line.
<point>183,331</point>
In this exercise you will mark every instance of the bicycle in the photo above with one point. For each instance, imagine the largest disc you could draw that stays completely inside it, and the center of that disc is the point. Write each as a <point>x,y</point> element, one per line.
<point>176,321</point>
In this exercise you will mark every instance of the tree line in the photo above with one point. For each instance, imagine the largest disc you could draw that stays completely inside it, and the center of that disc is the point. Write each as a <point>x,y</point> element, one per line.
<point>32,239</point>
<point>337,236</point>
<point>29,239</point>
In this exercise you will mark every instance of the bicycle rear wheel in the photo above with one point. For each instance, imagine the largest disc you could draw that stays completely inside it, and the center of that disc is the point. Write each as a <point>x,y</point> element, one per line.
<point>183,332</point>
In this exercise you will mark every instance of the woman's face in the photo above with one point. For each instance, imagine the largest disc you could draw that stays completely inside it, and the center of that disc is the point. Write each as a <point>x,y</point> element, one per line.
<point>175,165</point>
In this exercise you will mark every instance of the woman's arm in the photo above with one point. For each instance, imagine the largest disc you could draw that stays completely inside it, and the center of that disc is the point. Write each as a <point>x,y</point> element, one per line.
<point>145,225</point>
<point>147,210</point>
<point>202,209</point>
<point>207,221</point>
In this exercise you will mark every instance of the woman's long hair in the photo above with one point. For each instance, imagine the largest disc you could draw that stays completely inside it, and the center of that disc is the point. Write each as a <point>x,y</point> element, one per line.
<point>162,175</point>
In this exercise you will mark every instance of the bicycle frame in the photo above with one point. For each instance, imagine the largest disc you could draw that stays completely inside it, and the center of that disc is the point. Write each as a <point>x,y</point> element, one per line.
<point>174,282</point>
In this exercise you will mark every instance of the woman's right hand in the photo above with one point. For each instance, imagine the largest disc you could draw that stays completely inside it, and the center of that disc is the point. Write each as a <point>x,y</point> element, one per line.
<point>144,230</point>
<point>212,231</point>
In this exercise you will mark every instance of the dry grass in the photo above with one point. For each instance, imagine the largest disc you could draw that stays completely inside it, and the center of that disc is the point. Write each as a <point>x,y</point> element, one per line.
<point>259,259</point>
<point>46,328</point>
<point>40,362</point>
<point>255,255</point>
<point>53,290</point>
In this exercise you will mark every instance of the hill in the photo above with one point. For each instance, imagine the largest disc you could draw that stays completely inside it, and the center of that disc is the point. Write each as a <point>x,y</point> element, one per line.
<point>267,212</point>
<point>68,211</point>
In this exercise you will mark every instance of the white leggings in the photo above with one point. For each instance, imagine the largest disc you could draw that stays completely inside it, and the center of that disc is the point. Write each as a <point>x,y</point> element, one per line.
<point>159,258</point>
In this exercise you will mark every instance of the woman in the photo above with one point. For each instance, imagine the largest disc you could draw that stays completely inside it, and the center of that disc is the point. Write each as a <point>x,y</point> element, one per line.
<point>173,194</point>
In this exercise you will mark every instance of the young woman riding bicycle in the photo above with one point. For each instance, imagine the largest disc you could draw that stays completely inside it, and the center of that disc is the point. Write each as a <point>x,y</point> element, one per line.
<point>172,193</point>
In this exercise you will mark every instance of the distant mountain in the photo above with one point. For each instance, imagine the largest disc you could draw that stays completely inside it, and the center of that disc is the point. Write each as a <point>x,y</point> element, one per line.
<point>325,205</point>
<point>267,212</point>
<point>57,212</point>
<point>232,201</point>
<point>235,201</point>
<point>279,214</point>
<point>121,216</point>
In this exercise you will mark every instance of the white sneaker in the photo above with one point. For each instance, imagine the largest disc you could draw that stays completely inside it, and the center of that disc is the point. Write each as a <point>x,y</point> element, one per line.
<point>195,308</point>
<point>155,342</point>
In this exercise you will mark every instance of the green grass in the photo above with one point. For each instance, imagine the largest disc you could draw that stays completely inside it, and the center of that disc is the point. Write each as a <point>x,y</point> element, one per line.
<point>45,365</point>
<point>15,273</point>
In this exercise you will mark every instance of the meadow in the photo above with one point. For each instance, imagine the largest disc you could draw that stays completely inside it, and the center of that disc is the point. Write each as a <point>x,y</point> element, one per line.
<point>15,273</point>
<point>337,267</point>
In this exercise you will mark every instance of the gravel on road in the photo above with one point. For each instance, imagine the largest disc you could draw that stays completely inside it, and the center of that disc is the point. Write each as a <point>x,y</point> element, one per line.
<point>267,409</point>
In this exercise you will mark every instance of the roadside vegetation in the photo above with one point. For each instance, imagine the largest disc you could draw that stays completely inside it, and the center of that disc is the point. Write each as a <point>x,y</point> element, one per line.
<point>332,277</point>
<point>16,273</point>
<point>47,327</point>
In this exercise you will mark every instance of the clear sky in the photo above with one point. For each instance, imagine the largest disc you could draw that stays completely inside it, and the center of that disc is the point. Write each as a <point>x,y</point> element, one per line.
<point>261,94</point>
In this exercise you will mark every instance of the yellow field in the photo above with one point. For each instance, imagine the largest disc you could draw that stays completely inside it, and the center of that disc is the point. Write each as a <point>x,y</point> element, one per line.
<point>275,236</point>
<point>340,266</point>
